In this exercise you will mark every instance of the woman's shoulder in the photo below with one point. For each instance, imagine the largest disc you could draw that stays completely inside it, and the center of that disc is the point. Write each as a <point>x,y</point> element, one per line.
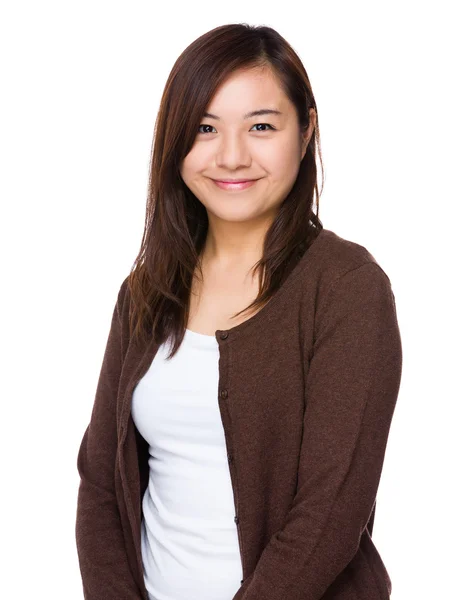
<point>334,255</point>
<point>334,262</point>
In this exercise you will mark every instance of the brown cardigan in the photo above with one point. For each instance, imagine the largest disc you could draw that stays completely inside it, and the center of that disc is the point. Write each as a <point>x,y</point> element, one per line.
<point>307,391</point>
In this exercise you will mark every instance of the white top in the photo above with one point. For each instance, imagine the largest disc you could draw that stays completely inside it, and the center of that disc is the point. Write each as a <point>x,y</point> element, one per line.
<point>189,540</point>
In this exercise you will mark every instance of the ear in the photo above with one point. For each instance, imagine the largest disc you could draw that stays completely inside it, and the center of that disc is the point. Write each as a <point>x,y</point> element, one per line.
<point>307,134</point>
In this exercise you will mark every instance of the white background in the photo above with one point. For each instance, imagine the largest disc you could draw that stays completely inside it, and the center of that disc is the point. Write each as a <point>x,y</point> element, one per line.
<point>80,87</point>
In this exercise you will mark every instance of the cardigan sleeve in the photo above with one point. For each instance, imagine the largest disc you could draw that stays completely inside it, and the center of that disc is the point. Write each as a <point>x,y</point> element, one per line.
<point>351,391</point>
<point>99,536</point>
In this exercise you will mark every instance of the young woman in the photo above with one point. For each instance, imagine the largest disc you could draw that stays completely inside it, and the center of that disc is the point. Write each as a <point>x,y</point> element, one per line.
<point>254,359</point>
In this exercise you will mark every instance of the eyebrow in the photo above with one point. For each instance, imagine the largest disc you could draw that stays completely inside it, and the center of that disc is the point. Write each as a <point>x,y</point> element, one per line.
<point>254,113</point>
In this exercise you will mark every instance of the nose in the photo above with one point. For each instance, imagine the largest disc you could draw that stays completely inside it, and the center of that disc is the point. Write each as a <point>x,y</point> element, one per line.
<point>233,153</point>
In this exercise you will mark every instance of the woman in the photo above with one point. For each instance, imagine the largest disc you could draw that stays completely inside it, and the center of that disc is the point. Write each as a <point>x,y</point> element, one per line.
<point>253,363</point>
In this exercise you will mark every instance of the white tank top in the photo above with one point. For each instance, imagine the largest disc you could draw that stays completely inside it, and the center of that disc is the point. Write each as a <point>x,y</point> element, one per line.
<point>189,538</point>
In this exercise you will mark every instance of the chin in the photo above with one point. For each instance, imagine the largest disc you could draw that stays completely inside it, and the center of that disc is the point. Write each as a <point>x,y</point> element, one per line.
<point>239,214</point>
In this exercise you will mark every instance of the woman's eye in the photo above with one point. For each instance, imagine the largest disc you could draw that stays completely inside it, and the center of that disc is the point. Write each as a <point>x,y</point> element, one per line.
<point>204,126</point>
<point>266,124</point>
<point>256,125</point>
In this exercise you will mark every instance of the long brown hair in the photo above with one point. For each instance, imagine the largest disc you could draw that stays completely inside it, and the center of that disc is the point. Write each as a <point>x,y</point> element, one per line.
<point>176,222</point>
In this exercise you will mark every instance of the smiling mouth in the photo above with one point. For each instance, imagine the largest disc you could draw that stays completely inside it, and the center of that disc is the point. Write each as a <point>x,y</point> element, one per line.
<point>234,185</point>
<point>233,180</point>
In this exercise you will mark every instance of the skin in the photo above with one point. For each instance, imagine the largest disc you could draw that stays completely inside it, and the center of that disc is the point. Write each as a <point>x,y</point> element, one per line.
<point>244,149</point>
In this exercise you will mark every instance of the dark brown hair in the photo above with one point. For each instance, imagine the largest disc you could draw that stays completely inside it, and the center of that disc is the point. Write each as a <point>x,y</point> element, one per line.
<point>176,222</point>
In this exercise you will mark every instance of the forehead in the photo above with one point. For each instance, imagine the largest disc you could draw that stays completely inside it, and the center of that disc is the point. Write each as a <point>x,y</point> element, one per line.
<point>246,92</point>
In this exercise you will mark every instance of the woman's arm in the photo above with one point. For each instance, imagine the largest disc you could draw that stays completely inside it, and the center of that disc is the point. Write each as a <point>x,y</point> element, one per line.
<point>351,392</point>
<point>100,543</point>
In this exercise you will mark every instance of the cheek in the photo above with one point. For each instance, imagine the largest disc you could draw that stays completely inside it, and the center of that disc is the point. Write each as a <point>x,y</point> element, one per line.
<point>281,158</point>
<point>195,165</point>
<point>290,157</point>
<point>286,167</point>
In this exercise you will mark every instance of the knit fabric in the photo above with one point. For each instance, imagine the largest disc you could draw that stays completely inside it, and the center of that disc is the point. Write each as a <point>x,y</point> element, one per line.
<point>307,389</point>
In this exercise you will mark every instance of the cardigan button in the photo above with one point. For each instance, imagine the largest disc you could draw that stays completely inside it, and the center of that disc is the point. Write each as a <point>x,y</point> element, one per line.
<point>224,335</point>
<point>242,581</point>
<point>224,393</point>
<point>230,457</point>
<point>236,519</point>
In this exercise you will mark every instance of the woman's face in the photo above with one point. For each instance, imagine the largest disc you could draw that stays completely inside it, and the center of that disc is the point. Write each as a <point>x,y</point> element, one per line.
<point>267,148</point>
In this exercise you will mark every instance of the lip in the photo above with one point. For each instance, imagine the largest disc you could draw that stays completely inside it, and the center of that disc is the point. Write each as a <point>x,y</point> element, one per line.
<point>234,185</point>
